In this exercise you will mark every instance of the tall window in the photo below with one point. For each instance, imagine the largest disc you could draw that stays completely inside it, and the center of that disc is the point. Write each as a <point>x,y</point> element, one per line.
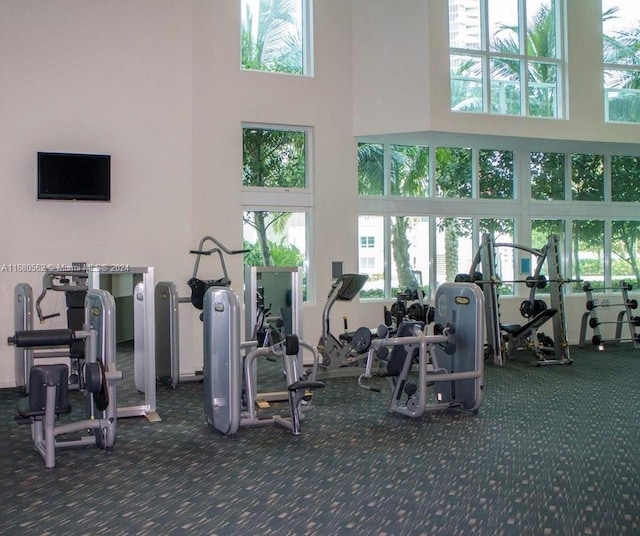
<point>277,198</point>
<point>621,55</point>
<point>276,36</point>
<point>505,56</point>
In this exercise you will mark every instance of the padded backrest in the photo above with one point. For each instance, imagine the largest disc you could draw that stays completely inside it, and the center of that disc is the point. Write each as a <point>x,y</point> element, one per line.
<point>75,320</point>
<point>42,376</point>
<point>399,353</point>
<point>199,287</point>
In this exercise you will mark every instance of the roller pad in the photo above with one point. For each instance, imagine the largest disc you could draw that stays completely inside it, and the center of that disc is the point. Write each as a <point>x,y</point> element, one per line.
<point>41,337</point>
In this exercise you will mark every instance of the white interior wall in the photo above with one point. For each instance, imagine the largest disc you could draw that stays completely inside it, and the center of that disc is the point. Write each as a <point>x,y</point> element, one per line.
<point>95,77</point>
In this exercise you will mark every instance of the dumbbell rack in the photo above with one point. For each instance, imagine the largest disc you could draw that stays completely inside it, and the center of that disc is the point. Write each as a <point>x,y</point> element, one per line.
<point>590,318</point>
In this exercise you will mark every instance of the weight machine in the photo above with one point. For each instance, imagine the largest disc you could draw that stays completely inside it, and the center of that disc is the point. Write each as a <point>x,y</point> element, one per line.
<point>230,379</point>
<point>449,363</point>
<point>167,301</point>
<point>73,284</point>
<point>48,384</point>
<point>503,340</point>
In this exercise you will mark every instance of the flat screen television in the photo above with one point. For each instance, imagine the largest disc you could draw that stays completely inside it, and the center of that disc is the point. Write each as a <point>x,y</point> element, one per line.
<point>78,177</point>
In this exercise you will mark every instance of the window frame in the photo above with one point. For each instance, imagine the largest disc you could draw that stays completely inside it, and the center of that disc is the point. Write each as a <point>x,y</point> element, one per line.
<point>280,199</point>
<point>485,55</point>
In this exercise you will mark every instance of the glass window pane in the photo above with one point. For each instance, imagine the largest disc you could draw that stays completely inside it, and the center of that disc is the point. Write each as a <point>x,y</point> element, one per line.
<point>503,26</point>
<point>454,248</point>
<point>409,253</point>
<point>370,169</point>
<point>547,176</point>
<point>625,239</point>
<point>509,43</point>
<point>409,170</point>
<point>587,251</point>
<point>502,232</point>
<point>622,95</point>
<point>273,158</point>
<point>541,28</point>
<point>543,89</point>
<point>496,174</point>
<point>542,229</point>
<point>371,259</point>
<point>621,46</point>
<point>625,178</point>
<point>466,83</point>
<point>453,174</point>
<point>505,86</point>
<point>587,177</point>
<point>540,232</point>
<point>276,239</point>
<point>464,24</point>
<point>272,35</point>
<point>620,21</point>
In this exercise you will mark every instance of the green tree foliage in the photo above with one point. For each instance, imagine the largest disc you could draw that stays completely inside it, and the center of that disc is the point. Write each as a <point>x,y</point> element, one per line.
<point>273,158</point>
<point>281,254</point>
<point>587,177</point>
<point>547,176</point>
<point>370,169</point>
<point>625,178</point>
<point>496,174</point>
<point>453,173</point>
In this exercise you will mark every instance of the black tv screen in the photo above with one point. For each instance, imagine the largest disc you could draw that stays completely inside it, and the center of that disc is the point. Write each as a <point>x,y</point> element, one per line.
<point>81,177</point>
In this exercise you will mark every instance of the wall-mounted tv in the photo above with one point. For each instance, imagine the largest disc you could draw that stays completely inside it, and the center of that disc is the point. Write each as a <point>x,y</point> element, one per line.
<point>69,176</point>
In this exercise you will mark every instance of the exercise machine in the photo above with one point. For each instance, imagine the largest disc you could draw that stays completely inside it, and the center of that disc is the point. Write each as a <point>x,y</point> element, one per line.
<point>230,378</point>
<point>48,384</point>
<point>73,285</point>
<point>504,339</point>
<point>442,371</point>
<point>167,301</point>
<point>341,353</point>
